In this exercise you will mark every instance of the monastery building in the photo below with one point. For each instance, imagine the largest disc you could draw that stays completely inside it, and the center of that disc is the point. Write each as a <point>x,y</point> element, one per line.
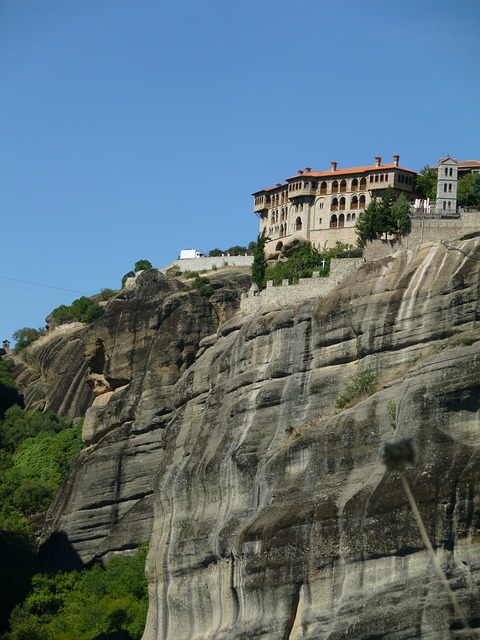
<point>322,207</point>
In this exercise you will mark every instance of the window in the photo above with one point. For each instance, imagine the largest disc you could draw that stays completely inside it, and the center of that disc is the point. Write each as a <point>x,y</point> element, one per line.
<point>342,204</point>
<point>353,217</point>
<point>298,224</point>
<point>354,203</point>
<point>333,222</point>
<point>320,221</point>
<point>335,186</point>
<point>445,187</point>
<point>323,187</point>
<point>381,177</point>
<point>376,178</point>
<point>343,186</point>
<point>363,183</point>
<point>341,220</point>
<point>334,205</point>
<point>361,202</point>
<point>450,187</point>
<point>355,184</point>
<point>446,171</point>
<point>348,217</point>
<point>451,171</point>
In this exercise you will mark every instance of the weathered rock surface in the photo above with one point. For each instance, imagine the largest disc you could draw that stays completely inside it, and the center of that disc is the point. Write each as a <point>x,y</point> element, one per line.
<point>274,515</point>
<point>119,373</point>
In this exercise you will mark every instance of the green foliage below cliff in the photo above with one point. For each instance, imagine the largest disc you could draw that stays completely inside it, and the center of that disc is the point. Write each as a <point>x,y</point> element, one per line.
<point>8,392</point>
<point>36,451</point>
<point>85,604</point>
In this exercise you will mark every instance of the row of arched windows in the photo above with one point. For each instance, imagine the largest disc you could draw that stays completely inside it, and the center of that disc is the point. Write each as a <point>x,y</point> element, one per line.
<point>355,203</point>
<point>339,222</point>
<point>341,186</point>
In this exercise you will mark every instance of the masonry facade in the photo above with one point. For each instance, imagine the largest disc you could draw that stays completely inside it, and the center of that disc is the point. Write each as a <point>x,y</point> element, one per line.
<point>323,207</point>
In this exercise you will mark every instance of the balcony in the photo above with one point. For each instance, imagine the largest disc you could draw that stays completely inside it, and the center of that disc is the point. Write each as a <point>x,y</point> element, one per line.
<point>302,191</point>
<point>260,204</point>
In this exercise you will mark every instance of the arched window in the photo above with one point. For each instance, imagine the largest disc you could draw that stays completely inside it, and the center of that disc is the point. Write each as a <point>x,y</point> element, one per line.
<point>449,187</point>
<point>355,184</point>
<point>341,220</point>
<point>348,217</point>
<point>445,187</point>
<point>333,222</point>
<point>446,171</point>
<point>444,205</point>
<point>279,246</point>
<point>298,224</point>
<point>343,186</point>
<point>353,217</point>
<point>449,204</point>
<point>342,204</point>
<point>361,202</point>
<point>335,186</point>
<point>451,171</point>
<point>334,206</point>
<point>354,203</point>
<point>363,184</point>
<point>323,187</point>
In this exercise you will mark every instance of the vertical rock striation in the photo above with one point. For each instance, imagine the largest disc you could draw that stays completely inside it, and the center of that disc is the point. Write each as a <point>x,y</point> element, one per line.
<point>274,516</point>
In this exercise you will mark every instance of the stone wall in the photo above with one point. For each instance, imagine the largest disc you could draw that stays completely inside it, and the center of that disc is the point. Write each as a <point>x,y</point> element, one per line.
<point>206,264</point>
<point>306,289</point>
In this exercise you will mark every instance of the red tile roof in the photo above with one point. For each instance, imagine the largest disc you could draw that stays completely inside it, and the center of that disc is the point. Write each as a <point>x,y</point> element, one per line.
<point>339,172</point>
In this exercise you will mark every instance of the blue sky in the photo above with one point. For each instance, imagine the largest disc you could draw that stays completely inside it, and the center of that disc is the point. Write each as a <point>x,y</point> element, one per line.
<point>131,129</point>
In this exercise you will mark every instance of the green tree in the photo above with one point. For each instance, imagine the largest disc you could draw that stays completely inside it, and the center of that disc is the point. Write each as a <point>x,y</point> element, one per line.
<point>82,309</point>
<point>259,265</point>
<point>142,265</point>
<point>388,214</point>
<point>400,215</point>
<point>24,337</point>
<point>85,604</point>
<point>367,228</point>
<point>468,190</point>
<point>426,185</point>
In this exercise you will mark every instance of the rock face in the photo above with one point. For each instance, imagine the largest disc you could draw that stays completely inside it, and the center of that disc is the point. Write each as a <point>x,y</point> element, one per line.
<point>274,515</point>
<point>120,371</point>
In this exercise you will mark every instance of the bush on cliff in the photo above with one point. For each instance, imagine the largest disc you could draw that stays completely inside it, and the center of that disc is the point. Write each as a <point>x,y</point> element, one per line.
<point>81,310</point>
<point>304,261</point>
<point>24,337</point>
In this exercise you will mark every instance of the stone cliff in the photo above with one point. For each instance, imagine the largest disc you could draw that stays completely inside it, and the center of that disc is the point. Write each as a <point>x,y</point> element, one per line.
<point>273,513</point>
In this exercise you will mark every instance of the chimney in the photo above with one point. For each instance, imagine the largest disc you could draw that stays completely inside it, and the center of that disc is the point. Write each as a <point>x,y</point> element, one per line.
<point>395,160</point>
<point>378,161</point>
<point>333,166</point>
<point>308,169</point>
<point>300,172</point>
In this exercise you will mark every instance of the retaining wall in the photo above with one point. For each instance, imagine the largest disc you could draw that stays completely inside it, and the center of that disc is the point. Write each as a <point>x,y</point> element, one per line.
<point>206,264</point>
<point>306,289</point>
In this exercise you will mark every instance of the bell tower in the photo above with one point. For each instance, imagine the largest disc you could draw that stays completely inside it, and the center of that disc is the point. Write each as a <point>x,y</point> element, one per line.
<point>447,186</point>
